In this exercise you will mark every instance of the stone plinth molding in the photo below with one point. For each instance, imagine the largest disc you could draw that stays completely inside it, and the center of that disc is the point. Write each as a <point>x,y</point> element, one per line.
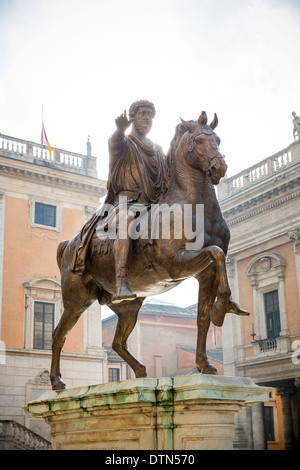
<point>180,413</point>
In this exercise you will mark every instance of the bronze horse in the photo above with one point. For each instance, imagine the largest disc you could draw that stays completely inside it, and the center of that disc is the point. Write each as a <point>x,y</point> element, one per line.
<point>193,166</point>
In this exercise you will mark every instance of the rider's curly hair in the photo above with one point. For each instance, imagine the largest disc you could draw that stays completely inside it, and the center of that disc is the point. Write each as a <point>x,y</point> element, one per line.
<point>137,104</point>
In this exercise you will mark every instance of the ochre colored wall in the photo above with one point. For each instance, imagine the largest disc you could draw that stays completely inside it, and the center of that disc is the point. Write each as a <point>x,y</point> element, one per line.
<point>28,253</point>
<point>278,444</point>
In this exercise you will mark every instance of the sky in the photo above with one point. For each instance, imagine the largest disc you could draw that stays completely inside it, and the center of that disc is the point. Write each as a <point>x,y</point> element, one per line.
<point>85,61</point>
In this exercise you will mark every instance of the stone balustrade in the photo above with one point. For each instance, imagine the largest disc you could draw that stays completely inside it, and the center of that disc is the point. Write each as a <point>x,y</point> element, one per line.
<point>14,436</point>
<point>266,168</point>
<point>37,153</point>
<point>267,345</point>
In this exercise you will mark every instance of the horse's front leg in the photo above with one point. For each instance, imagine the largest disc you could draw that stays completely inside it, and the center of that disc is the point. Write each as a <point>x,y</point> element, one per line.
<point>207,292</point>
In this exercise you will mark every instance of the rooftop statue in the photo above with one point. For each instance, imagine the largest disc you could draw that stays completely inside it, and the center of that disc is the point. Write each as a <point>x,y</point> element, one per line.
<point>296,123</point>
<point>159,225</point>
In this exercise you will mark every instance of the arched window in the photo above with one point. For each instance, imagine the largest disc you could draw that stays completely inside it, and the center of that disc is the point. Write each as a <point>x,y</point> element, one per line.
<point>267,275</point>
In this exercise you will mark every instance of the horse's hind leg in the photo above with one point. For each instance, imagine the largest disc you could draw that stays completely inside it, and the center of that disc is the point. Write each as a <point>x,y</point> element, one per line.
<point>207,292</point>
<point>76,300</point>
<point>127,316</point>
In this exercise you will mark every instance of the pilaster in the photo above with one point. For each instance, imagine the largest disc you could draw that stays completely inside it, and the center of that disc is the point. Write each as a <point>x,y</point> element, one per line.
<point>2,219</point>
<point>294,236</point>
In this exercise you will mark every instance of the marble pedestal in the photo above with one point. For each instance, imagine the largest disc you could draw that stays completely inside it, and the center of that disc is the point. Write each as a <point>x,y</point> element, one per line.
<point>179,413</point>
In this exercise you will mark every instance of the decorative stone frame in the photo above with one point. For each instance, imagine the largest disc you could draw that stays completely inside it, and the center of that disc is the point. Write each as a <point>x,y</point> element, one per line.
<point>59,210</point>
<point>267,273</point>
<point>40,289</point>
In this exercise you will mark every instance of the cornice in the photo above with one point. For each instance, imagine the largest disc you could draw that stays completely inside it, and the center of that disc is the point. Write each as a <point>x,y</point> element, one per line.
<point>77,184</point>
<point>248,205</point>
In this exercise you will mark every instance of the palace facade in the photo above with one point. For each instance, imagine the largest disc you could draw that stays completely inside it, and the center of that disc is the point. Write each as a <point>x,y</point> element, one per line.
<point>261,206</point>
<point>44,199</point>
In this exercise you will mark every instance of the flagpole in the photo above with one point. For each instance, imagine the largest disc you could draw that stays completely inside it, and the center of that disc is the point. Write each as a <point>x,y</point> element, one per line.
<point>43,145</point>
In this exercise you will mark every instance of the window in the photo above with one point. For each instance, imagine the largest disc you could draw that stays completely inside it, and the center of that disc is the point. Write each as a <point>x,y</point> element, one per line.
<point>267,277</point>
<point>43,325</point>
<point>272,314</point>
<point>39,290</point>
<point>45,214</point>
<point>113,375</point>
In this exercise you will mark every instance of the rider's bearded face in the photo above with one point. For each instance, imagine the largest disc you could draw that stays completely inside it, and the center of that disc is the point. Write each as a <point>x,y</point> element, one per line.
<point>143,120</point>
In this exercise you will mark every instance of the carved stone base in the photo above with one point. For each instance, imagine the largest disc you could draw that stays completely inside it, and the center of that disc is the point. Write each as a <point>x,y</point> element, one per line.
<point>180,413</point>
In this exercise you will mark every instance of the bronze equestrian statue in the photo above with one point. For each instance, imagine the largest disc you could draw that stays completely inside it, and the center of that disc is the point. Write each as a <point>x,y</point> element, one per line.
<point>121,272</point>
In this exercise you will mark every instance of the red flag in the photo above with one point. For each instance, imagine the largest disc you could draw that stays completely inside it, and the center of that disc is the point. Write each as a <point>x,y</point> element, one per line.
<point>44,139</point>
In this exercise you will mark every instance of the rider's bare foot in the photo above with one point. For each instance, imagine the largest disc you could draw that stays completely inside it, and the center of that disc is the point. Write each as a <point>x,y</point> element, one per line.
<point>122,293</point>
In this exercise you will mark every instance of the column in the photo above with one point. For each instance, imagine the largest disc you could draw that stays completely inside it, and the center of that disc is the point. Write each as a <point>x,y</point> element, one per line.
<point>249,427</point>
<point>287,419</point>
<point>243,439</point>
<point>259,440</point>
<point>296,411</point>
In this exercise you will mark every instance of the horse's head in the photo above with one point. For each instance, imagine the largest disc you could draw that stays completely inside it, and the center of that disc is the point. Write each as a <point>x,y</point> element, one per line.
<point>200,147</point>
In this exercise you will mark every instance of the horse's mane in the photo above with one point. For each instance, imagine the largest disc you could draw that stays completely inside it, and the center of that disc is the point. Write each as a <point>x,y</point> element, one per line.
<point>170,157</point>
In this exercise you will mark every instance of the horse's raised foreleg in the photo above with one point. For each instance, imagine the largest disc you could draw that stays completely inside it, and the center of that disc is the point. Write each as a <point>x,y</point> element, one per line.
<point>127,316</point>
<point>190,261</point>
<point>224,303</point>
<point>207,292</point>
<point>223,292</point>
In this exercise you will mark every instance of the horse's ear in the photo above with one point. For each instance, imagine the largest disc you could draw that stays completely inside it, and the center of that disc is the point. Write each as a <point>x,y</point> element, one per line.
<point>214,122</point>
<point>202,119</point>
<point>189,126</point>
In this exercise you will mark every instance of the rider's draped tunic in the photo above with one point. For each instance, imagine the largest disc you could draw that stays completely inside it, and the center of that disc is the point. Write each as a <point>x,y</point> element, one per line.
<point>136,170</point>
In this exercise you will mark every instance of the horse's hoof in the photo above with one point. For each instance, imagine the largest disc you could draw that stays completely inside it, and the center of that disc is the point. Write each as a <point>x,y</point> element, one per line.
<point>233,307</point>
<point>58,384</point>
<point>204,367</point>
<point>209,369</point>
<point>141,372</point>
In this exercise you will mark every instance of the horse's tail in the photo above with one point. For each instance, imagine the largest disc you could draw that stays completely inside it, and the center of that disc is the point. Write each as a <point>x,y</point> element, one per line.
<point>60,250</point>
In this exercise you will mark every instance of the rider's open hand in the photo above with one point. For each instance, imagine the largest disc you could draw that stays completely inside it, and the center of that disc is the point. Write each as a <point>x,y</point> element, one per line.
<point>122,122</point>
